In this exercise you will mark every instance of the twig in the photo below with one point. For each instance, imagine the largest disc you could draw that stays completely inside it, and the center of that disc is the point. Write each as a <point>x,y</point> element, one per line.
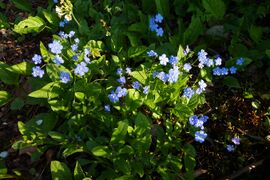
<point>244,170</point>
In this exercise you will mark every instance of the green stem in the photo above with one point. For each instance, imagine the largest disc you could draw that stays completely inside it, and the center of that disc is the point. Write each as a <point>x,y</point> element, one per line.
<point>75,19</point>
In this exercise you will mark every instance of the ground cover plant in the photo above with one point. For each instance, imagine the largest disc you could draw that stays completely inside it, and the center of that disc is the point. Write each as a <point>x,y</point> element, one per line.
<point>138,90</point>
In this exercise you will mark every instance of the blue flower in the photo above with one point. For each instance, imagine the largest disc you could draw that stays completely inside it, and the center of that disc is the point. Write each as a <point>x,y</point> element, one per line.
<point>81,69</point>
<point>155,74</point>
<point>151,53</point>
<point>119,71</point>
<point>62,23</point>
<point>233,70</point>
<point>202,86</point>
<point>113,97</point>
<point>74,57</point>
<point>158,18</point>
<point>240,61</point>
<point>58,60</point>
<point>159,31</point>
<point>200,136</point>
<point>230,148</point>
<point>193,120</point>
<point>55,47</point>
<point>64,77</point>
<point>220,71</point>
<point>55,1</point>
<point>37,72</point>
<point>186,51</point>
<point>236,140</point>
<point>136,85</point>
<point>173,60</point>
<point>188,92</point>
<point>218,61</point>
<point>152,24</point>
<point>107,108</point>
<point>163,59</point>
<point>187,67</point>
<point>203,60</point>
<point>162,76</point>
<point>71,34</point>
<point>37,59</point>
<point>74,47</point>
<point>121,92</point>
<point>77,40</point>
<point>122,80</point>
<point>146,89</point>
<point>173,75</point>
<point>128,70</point>
<point>63,35</point>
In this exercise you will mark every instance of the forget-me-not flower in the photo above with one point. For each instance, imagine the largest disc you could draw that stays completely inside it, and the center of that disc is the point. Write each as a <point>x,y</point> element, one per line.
<point>107,108</point>
<point>64,77</point>
<point>113,97</point>
<point>233,70</point>
<point>37,72</point>
<point>163,59</point>
<point>146,89</point>
<point>122,80</point>
<point>58,60</point>
<point>37,59</point>
<point>151,53</point>
<point>173,74</point>
<point>188,92</point>
<point>240,61</point>
<point>81,69</point>
<point>55,47</point>
<point>230,148</point>
<point>200,136</point>
<point>136,85</point>
<point>187,67</point>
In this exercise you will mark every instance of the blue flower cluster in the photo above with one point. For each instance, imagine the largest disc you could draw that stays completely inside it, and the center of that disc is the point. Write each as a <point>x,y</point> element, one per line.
<point>158,18</point>
<point>218,70</point>
<point>173,73</point>
<point>37,71</point>
<point>236,141</point>
<point>198,122</point>
<point>64,77</point>
<point>189,92</point>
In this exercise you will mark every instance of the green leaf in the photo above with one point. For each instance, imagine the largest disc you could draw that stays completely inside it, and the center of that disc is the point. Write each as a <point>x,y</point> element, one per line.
<point>17,104</point>
<point>189,157</point>
<point>163,7</point>
<point>30,25</point>
<point>48,122</point>
<point>216,8</point>
<point>7,76</point>
<point>44,52</point>
<point>255,33</point>
<point>119,133</point>
<point>60,171</point>
<point>180,52</point>
<point>231,82</point>
<point>100,151</point>
<point>193,31</point>
<point>49,91</point>
<point>23,5</point>
<point>78,172</point>
<point>71,149</point>
<point>23,68</point>
<point>53,70</point>
<point>140,75</point>
<point>51,17</point>
<point>136,51</point>
<point>4,97</point>
<point>57,136</point>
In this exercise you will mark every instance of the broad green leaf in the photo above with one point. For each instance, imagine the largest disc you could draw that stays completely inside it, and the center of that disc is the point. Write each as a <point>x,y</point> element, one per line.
<point>216,8</point>
<point>119,133</point>
<point>7,76</point>
<point>51,17</point>
<point>78,172</point>
<point>136,51</point>
<point>43,121</point>
<point>100,151</point>
<point>163,7</point>
<point>71,149</point>
<point>133,99</point>
<point>122,164</point>
<point>57,136</point>
<point>140,75</point>
<point>22,5</point>
<point>231,82</point>
<point>49,91</point>
<point>256,32</point>
<point>23,68</point>
<point>44,52</point>
<point>30,25</point>
<point>60,171</point>
<point>17,104</point>
<point>189,159</point>
<point>193,31</point>
<point>138,27</point>
<point>180,52</point>
<point>54,70</point>
<point>4,97</point>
